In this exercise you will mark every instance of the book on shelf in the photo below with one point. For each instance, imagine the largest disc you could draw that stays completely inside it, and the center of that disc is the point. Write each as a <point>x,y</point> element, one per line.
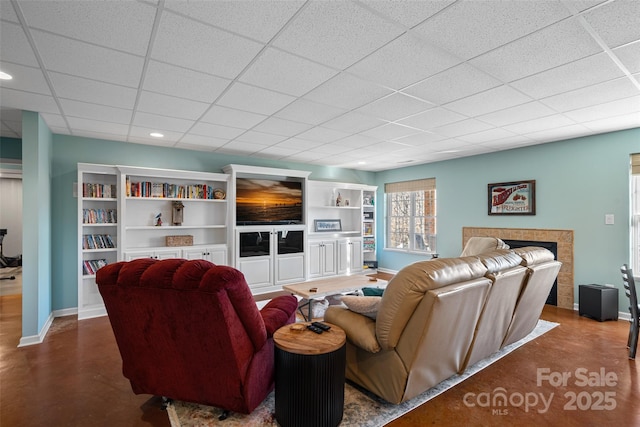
<point>101,191</point>
<point>168,190</point>
<point>91,266</point>
<point>97,241</point>
<point>99,216</point>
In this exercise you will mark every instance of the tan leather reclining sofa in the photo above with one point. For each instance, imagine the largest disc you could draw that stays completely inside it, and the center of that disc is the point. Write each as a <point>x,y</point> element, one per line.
<point>440,316</point>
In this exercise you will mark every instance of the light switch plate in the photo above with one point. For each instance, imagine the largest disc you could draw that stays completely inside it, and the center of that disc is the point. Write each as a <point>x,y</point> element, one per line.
<point>609,219</point>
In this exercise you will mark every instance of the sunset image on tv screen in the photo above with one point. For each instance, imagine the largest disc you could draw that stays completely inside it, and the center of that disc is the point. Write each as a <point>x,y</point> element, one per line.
<point>264,201</point>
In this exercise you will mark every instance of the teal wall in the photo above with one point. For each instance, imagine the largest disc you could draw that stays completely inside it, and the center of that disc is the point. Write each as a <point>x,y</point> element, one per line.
<point>578,181</point>
<point>10,148</point>
<point>37,220</point>
<point>68,151</point>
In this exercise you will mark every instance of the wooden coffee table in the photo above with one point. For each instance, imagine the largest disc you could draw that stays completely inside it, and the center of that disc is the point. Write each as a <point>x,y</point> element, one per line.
<point>316,289</point>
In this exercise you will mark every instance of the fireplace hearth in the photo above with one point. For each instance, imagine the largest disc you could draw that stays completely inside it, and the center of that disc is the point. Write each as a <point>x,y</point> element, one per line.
<point>538,237</point>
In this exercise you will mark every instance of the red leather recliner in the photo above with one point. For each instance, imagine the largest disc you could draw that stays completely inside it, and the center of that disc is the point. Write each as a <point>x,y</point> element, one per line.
<point>191,331</point>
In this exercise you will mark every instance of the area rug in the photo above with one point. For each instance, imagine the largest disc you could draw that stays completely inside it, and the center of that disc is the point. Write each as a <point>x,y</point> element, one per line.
<point>361,408</point>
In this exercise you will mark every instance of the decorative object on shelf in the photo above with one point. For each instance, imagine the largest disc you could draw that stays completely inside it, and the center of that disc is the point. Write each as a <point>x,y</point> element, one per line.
<point>328,224</point>
<point>367,201</point>
<point>218,193</point>
<point>159,219</point>
<point>339,200</point>
<point>346,202</point>
<point>512,198</point>
<point>179,241</point>
<point>367,215</point>
<point>177,212</point>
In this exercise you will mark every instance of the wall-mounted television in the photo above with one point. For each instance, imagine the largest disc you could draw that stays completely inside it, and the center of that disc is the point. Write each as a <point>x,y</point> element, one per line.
<point>268,201</point>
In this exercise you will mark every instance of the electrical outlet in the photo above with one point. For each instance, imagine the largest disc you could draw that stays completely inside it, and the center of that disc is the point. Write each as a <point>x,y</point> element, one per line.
<point>609,219</point>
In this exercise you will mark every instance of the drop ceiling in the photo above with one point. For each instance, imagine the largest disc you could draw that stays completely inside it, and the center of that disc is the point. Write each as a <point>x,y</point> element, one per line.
<point>368,85</point>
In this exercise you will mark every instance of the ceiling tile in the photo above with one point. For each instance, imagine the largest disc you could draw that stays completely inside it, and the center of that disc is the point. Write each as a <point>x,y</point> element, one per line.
<point>592,95</point>
<point>629,55</point>
<point>347,91</point>
<point>98,63</point>
<point>116,129</point>
<point>455,83</point>
<point>487,25</point>
<point>278,152</point>
<point>260,138</point>
<point>258,20</point>
<point>29,79</point>
<point>574,75</point>
<point>286,73</point>
<point>486,136</point>
<point>182,42</point>
<point>390,131</point>
<point>241,147</point>
<point>194,147</point>
<point>103,113</point>
<point>610,109</point>
<point>28,101</point>
<point>460,128</point>
<point>394,107</point>
<point>551,47</point>
<point>203,141</point>
<point>543,123</point>
<point>15,45</point>
<point>353,122</point>
<point>408,13</point>
<point>309,112</point>
<point>180,82</point>
<point>142,135</point>
<point>357,141</point>
<point>256,100</point>
<point>322,134</point>
<point>299,144</point>
<point>52,121</point>
<point>509,142</point>
<point>617,22</point>
<point>610,124</point>
<point>282,127</point>
<point>80,89</point>
<point>7,13</point>
<point>326,32</point>
<point>488,101</point>
<point>170,106</point>
<point>403,62</point>
<point>231,117</point>
<point>556,134</point>
<point>215,131</point>
<point>520,113</point>
<point>432,118</point>
<point>161,123</point>
<point>121,25</point>
<point>420,139</point>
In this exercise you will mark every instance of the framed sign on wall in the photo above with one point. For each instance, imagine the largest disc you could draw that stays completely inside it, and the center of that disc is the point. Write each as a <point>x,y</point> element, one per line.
<point>512,198</point>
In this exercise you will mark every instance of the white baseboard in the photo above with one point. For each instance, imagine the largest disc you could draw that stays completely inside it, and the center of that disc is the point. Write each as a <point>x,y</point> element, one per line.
<point>37,339</point>
<point>621,314</point>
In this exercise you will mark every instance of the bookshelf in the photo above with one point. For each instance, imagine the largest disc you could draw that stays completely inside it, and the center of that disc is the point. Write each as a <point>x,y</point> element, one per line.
<point>150,198</point>
<point>97,232</point>
<point>354,241</point>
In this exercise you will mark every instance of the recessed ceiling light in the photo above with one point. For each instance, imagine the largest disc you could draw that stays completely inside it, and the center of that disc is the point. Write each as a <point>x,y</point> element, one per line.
<point>362,162</point>
<point>5,76</point>
<point>156,134</point>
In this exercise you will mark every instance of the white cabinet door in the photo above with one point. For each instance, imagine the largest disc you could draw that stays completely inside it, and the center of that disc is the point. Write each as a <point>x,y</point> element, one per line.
<point>349,255</point>
<point>322,258</point>
<point>215,254</point>
<point>290,268</point>
<point>150,253</point>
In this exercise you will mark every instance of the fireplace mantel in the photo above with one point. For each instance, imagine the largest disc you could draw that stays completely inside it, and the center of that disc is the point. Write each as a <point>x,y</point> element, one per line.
<point>564,239</point>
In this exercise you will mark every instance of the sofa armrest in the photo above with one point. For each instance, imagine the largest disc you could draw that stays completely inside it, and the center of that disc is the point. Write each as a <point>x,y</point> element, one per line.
<point>360,329</point>
<point>278,312</point>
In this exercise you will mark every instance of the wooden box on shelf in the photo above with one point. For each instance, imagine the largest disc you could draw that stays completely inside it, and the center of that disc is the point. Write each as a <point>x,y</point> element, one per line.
<point>179,240</point>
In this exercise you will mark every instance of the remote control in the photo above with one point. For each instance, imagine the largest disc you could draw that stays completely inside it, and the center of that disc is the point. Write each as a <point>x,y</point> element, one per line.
<point>314,329</point>
<point>321,325</point>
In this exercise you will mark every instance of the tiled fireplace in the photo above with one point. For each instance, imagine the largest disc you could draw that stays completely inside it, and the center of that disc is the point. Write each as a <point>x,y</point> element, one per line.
<point>564,239</point>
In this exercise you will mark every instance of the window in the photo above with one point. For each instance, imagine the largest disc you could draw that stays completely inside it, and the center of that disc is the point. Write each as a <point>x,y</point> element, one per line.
<point>635,214</point>
<point>411,215</point>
